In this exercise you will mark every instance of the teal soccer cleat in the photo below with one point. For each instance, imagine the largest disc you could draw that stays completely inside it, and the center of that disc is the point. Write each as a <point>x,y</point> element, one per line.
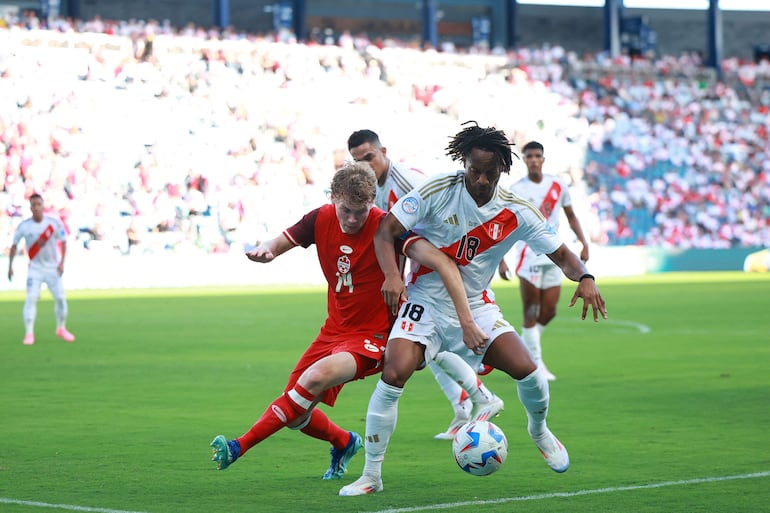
<point>341,457</point>
<point>225,451</point>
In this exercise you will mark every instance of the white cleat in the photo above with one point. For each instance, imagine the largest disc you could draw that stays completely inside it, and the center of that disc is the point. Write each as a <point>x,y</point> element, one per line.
<point>488,410</point>
<point>362,486</point>
<point>453,428</point>
<point>462,417</point>
<point>553,451</point>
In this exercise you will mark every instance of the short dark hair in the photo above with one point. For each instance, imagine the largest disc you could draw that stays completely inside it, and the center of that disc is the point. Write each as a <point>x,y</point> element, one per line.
<point>533,145</point>
<point>36,196</point>
<point>360,137</point>
<point>489,139</point>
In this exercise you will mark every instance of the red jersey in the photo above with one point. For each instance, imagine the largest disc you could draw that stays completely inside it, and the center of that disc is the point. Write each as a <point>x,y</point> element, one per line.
<point>348,261</point>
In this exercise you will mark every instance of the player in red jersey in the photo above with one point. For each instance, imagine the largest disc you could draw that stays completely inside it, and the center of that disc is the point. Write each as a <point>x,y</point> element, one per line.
<point>352,340</point>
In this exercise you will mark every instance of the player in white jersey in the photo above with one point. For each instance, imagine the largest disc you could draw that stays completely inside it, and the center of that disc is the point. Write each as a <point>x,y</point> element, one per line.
<point>475,222</point>
<point>393,179</point>
<point>469,397</point>
<point>539,278</point>
<point>41,233</point>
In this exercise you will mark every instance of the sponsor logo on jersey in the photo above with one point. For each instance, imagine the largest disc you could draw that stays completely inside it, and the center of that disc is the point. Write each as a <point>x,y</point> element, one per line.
<point>346,249</point>
<point>500,323</point>
<point>410,205</point>
<point>452,220</point>
<point>343,264</point>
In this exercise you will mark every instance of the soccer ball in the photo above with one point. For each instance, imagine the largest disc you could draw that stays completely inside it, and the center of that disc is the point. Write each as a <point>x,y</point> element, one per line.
<point>480,448</point>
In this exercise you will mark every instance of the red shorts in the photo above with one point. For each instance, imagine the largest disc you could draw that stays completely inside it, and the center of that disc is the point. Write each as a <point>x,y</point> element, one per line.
<point>368,348</point>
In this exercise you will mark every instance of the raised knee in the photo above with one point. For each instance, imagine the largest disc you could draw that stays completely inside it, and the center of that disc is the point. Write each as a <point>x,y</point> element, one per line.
<point>314,381</point>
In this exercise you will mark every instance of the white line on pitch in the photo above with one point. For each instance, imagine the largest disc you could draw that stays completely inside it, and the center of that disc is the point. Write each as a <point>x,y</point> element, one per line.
<point>70,507</point>
<point>559,495</point>
<point>555,495</point>
<point>641,328</point>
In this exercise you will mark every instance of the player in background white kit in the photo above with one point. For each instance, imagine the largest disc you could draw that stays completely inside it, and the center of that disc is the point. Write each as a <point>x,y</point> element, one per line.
<point>539,278</point>
<point>472,400</point>
<point>46,265</point>
<point>475,222</point>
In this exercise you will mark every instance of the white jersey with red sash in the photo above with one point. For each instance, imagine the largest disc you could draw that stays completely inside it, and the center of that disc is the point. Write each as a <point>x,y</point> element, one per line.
<point>399,180</point>
<point>551,195</point>
<point>442,211</point>
<point>40,240</point>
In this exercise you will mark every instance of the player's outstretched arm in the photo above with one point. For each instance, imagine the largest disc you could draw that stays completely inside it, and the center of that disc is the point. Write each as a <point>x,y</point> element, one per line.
<point>393,289</point>
<point>428,255</point>
<point>574,269</point>
<point>266,251</point>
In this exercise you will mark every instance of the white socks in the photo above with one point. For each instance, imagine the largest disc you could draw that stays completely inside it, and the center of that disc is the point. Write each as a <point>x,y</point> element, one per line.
<point>534,395</point>
<point>60,309</point>
<point>30,313</point>
<point>451,389</point>
<point>381,419</point>
<point>459,370</point>
<point>531,338</point>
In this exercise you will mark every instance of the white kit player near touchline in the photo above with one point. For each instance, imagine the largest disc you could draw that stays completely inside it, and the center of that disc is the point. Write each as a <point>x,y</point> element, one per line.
<point>469,397</point>
<point>41,233</point>
<point>475,222</point>
<point>539,278</point>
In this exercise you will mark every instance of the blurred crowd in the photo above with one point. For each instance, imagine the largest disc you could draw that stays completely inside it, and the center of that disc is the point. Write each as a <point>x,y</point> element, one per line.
<point>143,137</point>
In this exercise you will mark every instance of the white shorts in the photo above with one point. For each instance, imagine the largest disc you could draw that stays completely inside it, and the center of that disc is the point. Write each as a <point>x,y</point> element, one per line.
<point>416,322</point>
<point>540,271</point>
<point>36,277</point>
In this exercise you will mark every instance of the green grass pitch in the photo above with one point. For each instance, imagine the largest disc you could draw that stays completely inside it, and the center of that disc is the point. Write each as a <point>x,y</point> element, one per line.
<point>664,407</point>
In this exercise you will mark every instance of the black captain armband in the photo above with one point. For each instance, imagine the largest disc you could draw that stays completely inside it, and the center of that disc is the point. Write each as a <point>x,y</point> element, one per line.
<point>586,275</point>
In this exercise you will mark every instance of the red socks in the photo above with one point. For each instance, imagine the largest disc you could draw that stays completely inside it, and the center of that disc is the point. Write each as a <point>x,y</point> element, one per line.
<point>284,410</point>
<point>321,427</point>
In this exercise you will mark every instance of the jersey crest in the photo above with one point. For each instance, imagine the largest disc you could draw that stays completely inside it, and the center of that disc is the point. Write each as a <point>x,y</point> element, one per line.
<point>495,231</point>
<point>343,264</point>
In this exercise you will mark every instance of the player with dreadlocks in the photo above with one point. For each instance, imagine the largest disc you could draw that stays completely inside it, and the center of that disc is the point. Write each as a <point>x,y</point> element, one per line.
<point>471,219</point>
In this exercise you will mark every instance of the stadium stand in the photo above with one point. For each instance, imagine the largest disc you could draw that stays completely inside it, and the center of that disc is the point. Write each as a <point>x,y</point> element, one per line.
<point>150,138</point>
